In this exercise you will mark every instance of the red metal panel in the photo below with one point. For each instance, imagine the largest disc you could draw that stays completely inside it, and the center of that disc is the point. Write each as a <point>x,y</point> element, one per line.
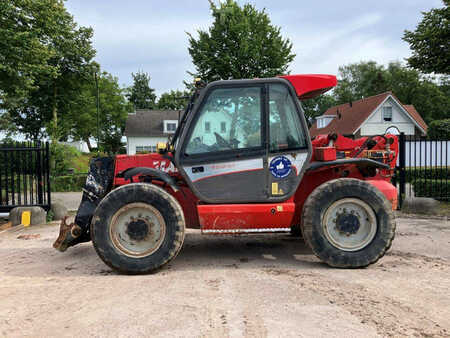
<point>236,218</point>
<point>388,190</point>
<point>308,86</point>
<point>153,160</point>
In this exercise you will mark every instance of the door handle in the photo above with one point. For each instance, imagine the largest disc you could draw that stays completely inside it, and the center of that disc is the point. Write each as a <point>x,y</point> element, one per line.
<point>198,169</point>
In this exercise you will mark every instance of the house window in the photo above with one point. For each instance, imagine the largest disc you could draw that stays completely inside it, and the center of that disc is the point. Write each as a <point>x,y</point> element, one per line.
<point>171,127</point>
<point>223,127</point>
<point>207,127</point>
<point>149,149</point>
<point>387,114</point>
<point>324,121</point>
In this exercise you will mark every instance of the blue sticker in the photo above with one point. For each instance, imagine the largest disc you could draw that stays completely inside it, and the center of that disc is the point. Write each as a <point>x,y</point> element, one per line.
<point>280,166</point>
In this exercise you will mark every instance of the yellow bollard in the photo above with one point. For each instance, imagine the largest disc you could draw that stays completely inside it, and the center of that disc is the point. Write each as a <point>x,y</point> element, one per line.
<point>26,218</point>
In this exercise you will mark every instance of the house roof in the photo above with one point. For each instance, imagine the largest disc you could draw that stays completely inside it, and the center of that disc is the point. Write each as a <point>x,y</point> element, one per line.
<point>350,116</point>
<point>149,122</point>
<point>416,116</point>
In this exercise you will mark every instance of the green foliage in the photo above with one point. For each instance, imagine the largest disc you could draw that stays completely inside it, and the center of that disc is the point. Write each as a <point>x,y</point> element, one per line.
<point>140,94</point>
<point>81,163</point>
<point>61,157</point>
<point>46,58</point>
<point>438,189</point>
<point>365,79</point>
<point>173,100</point>
<point>241,43</point>
<point>25,27</point>
<point>413,174</point>
<point>439,130</point>
<point>50,216</point>
<point>67,183</point>
<point>113,112</point>
<point>317,106</point>
<point>429,42</point>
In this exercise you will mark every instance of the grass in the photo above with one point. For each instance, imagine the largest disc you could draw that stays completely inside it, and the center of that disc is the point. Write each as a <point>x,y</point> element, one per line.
<point>444,209</point>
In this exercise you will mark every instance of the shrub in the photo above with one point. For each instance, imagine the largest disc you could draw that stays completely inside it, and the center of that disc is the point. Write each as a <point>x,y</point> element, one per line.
<point>67,183</point>
<point>412,174</point>
<point>439,130</point>
<point>438,189</point>
<point>61,158</point>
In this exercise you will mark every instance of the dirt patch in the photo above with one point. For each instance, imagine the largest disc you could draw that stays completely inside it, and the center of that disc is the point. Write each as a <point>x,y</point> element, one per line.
<point>254,286</point>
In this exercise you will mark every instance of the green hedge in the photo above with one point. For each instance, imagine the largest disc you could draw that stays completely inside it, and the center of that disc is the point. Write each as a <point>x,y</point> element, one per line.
<point>437,189</point>
<point>439,130</point>
<point>67,183</point>
<point>429,173</point>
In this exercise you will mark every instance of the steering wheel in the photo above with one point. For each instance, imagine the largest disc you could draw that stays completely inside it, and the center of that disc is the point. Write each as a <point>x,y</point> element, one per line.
<point>222,142</point>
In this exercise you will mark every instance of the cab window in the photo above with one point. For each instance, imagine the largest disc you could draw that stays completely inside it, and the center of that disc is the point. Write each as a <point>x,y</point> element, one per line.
<point>286,132</point>
<point>230,119</point>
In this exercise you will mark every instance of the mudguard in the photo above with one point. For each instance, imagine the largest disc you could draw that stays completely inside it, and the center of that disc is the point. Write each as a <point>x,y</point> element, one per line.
<point>129,173</point>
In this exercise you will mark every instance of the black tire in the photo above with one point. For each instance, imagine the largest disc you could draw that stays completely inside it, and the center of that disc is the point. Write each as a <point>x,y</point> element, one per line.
<point>171,228</point>
<point>296,231</point>
<point>315,228</point>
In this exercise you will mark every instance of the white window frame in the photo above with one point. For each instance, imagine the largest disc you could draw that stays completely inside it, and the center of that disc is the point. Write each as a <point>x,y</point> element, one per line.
<point>384,111</point>
<point>166,123</point>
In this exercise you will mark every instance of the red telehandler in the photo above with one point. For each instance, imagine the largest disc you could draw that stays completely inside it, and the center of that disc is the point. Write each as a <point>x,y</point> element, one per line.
<point>241,161</point>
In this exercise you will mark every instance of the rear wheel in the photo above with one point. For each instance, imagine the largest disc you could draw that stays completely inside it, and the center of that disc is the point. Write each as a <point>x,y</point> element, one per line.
<point>138,228</point>
<point>348,223</point>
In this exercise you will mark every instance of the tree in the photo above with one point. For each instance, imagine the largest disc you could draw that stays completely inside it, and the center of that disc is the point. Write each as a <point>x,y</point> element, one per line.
<point>364,79</point>
<point>360,80</point>
<point>174,100</point>
<point>41,92</point>
<point>429,42</point>
<point>439,130</point>
<point>114,109</point>
<point>24,28</point>
<point>241,43</point>
<point>140,94</point>
<point>317,106</point>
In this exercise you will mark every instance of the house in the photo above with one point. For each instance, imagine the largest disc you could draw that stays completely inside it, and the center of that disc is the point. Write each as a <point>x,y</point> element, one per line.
<point>79,145</point>
<point>374,115</point>
<point>145,128</point>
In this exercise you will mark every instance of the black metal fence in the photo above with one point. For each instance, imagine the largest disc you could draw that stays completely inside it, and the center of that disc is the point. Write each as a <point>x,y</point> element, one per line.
<point>24,175</point>
<point>422,168</point>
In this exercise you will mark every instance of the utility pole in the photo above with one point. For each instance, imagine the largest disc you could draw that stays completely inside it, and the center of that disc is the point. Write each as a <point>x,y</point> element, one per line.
<point>98,112</point>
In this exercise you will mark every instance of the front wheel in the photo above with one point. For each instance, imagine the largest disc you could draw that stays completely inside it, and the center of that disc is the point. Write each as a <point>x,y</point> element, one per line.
<point>348,223</point>
<point>138,228</point>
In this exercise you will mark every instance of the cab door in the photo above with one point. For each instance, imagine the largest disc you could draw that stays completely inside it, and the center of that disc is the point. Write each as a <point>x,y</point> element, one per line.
<point>227,152</point>
<point>289,146</point>
<point>222,149</point>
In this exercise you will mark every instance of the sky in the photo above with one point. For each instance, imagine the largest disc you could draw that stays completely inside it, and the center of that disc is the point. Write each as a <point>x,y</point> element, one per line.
<point>150,35</point>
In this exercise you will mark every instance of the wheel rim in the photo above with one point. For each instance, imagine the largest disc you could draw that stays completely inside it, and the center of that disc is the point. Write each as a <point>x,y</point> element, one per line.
<point>137,230</point>
<point>349,224</point>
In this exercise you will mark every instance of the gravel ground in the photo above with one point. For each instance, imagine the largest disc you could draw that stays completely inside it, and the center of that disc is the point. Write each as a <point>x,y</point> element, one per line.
<point>227,286</point>
<point>70,199</point>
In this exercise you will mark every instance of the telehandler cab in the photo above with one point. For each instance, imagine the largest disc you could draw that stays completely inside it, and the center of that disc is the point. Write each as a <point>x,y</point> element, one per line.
<point>241,161</point>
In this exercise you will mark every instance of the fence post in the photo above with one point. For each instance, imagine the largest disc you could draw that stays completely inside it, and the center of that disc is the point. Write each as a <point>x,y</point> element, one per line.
<point>40,196</point>
<point>402,156</point>
<point>47,171</point>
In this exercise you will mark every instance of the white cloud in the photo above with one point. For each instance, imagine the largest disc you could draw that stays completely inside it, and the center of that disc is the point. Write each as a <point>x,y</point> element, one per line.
<point>150,35</point>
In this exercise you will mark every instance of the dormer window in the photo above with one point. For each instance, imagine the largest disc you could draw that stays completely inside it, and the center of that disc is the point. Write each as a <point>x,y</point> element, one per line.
<point>387,114</point>
<point>170,126</point>
<point>323,121</point>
